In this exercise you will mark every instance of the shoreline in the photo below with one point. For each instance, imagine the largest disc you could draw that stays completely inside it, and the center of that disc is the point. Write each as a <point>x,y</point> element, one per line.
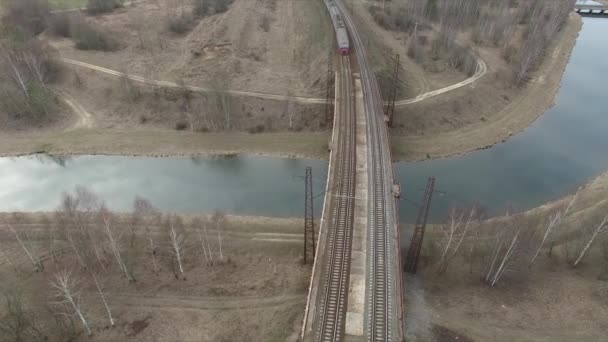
<point>166,143</point>
<point>510,121</point>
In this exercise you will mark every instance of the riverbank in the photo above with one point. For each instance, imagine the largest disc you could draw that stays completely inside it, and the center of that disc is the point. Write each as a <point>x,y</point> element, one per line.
<point>489,124</point>
<point>144,142</point>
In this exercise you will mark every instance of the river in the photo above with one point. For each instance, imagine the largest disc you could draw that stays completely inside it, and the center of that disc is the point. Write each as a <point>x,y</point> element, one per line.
<point>562,150</point>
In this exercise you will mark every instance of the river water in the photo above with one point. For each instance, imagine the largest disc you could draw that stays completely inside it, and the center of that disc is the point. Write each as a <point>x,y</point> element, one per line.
<point>236,184</point>
<point>562,150</point>
<point>566,147</point>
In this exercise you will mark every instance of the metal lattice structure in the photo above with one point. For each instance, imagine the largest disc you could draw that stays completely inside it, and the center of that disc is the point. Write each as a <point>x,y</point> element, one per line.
<point>413,253</point>
<point>309,220</point>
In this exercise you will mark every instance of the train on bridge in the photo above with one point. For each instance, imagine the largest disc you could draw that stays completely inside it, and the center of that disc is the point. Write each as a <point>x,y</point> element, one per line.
<point>341,34</point>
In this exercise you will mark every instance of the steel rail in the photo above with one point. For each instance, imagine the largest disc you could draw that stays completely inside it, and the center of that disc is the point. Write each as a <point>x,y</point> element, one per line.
<point>337,268</point>
<point>380,289</point>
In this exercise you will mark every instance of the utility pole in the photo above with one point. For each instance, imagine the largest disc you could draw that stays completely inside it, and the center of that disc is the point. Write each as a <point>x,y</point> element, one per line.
<point>390,108</point>
<point>328,105</point>
<point>309,220</point>
<point>413,253</point>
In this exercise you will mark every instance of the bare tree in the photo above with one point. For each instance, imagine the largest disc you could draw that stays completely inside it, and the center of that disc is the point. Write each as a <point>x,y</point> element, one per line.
<point>198,225</point>
<point>177,242</point>
<point>552,226</point>
<point>103,297</point>
<point>17,323</point>
<point>148,215</point>
<point>219,219</point>
<point>600,228</point>
<point>114,243</point>
<point>67,292</point>
<point>511,238</point>
<point>459,225</point>
<point>27,246</point>
<point>6,258</point>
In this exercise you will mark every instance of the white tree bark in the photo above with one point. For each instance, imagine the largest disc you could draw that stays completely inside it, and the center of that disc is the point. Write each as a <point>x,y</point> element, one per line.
<point>114,245</point>
<point>103,298</point>
<point>177,244</point>
<point>554,222</point>
<point>66,290</point>
<point>506,258</point>
<point>601,228</point>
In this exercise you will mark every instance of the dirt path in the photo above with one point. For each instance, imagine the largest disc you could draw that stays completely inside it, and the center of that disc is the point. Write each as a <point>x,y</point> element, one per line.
<point>482,68</point>
<point>299,99</point>
<point>85,119</point>
<point>205,303</point>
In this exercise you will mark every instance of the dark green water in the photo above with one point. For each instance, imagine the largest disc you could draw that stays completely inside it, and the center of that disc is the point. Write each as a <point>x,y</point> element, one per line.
<point>565,148</point>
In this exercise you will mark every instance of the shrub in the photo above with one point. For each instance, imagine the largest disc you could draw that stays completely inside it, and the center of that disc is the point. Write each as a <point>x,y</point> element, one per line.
<point>221,6</point>
<point>89,37</point>
<point>103,6</point>
<point>201,8</point>
<point>180,23</point>
<point>27,14</point>
<point>59,24</point>
<point>181,125</point>
<point>256,129</point>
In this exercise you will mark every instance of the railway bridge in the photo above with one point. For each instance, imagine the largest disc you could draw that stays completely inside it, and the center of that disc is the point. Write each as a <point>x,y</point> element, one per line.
<point>589,7</point>
<point>355,290</point>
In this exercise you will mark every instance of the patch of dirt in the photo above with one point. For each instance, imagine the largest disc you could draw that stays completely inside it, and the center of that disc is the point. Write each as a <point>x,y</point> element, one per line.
<point>138,326</point>
<point>278,56</point>
<point>443,334</point>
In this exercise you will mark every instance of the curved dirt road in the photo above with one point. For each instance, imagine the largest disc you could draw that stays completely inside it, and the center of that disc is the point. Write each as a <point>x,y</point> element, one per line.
<point>168,84</point>
<point>85,119</point>
<point>480,72</point>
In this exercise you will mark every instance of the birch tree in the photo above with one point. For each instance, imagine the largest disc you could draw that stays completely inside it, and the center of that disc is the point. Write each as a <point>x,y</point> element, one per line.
<point>177,245</point>
<point>103,298</point>
<point>459,226</point>
<point>148,215</point>
<point>198,226</point>
<point>67,292</point>
<point>219,219</point>
<point>600,228</point>
<point>114,243</point>
<point>552,226</point>
<point>510,244</point>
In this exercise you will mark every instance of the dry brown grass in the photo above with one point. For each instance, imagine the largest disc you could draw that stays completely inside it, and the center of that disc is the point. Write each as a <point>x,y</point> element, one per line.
<point>256,294</point>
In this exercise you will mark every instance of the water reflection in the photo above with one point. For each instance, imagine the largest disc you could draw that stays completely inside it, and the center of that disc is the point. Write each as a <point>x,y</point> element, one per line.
<point>236,184</point>
<point>562,150</point>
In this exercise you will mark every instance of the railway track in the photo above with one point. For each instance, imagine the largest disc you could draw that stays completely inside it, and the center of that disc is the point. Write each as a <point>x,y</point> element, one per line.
<point>337,268</point>
<point>381,322</point>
